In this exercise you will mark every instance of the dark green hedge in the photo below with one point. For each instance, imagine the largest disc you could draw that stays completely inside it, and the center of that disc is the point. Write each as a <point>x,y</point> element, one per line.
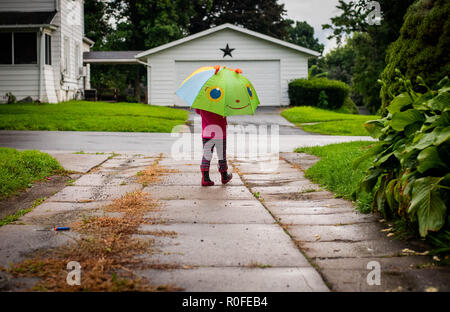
<point>422,48</point>
<point>303,92</point>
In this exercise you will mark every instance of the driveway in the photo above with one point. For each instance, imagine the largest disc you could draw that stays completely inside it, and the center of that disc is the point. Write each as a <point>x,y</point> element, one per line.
<point>266,118</point>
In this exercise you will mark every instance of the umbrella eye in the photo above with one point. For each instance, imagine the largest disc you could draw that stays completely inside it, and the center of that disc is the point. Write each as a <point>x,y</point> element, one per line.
<point>249,91</point>
<point>215,94</point>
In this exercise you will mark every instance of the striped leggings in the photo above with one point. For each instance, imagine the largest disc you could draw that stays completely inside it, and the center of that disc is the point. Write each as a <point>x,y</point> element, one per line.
<point>221,150</point>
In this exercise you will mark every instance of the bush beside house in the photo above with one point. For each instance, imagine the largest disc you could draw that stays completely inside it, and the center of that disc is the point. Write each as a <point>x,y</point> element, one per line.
<point>320,92</point>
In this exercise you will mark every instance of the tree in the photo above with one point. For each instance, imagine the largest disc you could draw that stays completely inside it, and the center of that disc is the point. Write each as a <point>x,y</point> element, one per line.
<point>370,43</point>
<point>339,63</point>
<point>264,16</point>
<point>143,24</point>
<point>95,23</point>
<point>422,48</point>
<point>302,34</point>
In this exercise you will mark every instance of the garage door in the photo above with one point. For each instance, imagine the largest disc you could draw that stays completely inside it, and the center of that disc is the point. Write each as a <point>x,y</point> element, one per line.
<point>264,75</point>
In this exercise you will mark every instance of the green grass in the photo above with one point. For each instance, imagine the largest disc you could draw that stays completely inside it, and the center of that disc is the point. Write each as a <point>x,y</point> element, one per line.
<point>334,170</point>
<point>327,122</point>
<point>14,217</point>
<point>18,170</point>
<point>90,116</point>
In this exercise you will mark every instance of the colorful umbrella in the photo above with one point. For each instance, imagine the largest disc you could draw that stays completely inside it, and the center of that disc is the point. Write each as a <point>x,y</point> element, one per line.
<point>223,91</point>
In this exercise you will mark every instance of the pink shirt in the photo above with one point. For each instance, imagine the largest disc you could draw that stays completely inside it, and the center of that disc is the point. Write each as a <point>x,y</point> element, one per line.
<point>213,125</point>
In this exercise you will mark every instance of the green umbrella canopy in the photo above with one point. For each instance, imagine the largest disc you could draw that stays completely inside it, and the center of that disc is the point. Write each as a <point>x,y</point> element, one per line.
<point>227,93</point>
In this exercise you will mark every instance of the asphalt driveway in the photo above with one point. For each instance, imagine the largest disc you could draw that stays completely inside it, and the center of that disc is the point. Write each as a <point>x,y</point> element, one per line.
<point>266,119</point>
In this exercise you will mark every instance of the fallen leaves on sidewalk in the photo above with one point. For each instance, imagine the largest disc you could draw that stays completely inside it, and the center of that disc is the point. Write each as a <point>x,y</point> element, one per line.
<point>105,250</point>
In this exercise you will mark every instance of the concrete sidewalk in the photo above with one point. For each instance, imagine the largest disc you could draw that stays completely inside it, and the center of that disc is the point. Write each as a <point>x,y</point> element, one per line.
<point>225,239</point>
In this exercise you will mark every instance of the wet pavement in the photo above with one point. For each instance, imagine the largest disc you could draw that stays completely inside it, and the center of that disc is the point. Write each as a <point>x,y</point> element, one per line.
<point>266,125</point>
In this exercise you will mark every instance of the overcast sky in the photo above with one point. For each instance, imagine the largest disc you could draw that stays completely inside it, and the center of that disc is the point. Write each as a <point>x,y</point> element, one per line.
<point>316,13</point>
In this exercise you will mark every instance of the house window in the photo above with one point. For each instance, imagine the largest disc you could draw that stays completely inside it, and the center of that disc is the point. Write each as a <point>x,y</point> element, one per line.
<point>6,50</point>
<point>18,48</point>
<point>66,56</point>
<point>48,49</point>
<point>25,48</point>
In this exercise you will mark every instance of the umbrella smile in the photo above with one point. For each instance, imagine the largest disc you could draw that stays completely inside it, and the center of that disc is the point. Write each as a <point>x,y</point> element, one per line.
<point>238,107</point>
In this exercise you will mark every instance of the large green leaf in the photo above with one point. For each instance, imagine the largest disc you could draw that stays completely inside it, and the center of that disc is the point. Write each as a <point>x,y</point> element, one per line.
<point>428,205</point>
<point>441,135</point>
<point>374,128</point>
<point>389,192</point>
<point>440,102</point>
<point>398,102</point>
<point>401,119</point>
<point>429,159</point>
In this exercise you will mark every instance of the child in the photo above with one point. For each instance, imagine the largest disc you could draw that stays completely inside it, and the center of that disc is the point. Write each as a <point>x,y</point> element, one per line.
<point>214,132</point>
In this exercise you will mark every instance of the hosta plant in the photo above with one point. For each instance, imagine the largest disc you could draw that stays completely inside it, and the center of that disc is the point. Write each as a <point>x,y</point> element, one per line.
<point>410,176</point>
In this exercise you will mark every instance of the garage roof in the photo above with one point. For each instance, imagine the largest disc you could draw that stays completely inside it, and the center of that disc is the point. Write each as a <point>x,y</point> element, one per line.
<point>233,27</point>
<point>110,57</point>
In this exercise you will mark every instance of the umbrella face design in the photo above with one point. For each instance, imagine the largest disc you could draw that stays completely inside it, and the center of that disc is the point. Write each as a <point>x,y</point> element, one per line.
<point>222,91</point>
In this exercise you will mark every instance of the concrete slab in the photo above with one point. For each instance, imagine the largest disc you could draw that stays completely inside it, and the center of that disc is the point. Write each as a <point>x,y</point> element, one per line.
<point>278,168</point>
<point>60,214</point>
<point>262,177</point>
<point>297,206</point>
<point>397,280</point>
<point>326,219</point>
<point>230,279</point>
<point>79,162</point>
<point>305,161</point>
<point>18,241</point>
<point>101,179</point>
<point>213,211</point>
<point>225,245</point>
<point>319,195</point>
<point>303,186</point>
<point>369,248</point>
<point>280,211</point>
<point>388,263</point>
<point>199,192</point>
<point>353,232</point>
<point>91,193</point>
<point>194,178</point>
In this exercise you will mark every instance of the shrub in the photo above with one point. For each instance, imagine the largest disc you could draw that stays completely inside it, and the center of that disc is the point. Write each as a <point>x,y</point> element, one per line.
<point>410,175</point>
<point>422,48</point>
<point>349,107</point>
<point>304,92</point>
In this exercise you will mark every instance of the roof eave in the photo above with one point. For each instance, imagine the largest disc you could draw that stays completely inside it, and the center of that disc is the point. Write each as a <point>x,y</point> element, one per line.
<point>89,41</point>
<point>48,26</point>
<point>230,26</point>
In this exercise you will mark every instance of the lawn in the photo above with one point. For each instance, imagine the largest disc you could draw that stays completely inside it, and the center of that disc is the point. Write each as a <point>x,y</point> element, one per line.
<point>91,116</point>
<point>327,122</point>
<point>334,170</point>
<point>20,169</point>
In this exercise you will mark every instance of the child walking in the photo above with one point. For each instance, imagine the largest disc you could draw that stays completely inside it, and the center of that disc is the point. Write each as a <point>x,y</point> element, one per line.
<point>214,133</point>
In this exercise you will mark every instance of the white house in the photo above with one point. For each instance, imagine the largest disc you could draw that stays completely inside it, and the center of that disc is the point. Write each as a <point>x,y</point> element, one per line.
<point>267,62</point>
<point>42,45</point>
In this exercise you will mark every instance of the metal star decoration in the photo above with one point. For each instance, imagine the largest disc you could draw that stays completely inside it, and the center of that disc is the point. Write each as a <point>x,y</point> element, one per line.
<point>227,51</point>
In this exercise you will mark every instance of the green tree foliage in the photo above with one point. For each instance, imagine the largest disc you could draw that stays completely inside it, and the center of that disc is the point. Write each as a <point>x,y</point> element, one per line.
<point>302,34</point>
<point>410,176</point>
<point>264,16</point>
<point>422,48</point>
<point>95,22</point>
<point>369,43</point>
<point>140,25</point>
<point>339,63</point>
<point>368,64</point>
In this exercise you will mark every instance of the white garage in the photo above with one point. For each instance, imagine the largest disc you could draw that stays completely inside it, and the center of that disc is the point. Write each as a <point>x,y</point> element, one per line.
<point>267,62</point>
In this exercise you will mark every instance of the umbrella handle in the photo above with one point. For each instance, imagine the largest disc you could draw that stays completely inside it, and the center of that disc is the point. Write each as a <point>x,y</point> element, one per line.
<point>217,67</point>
